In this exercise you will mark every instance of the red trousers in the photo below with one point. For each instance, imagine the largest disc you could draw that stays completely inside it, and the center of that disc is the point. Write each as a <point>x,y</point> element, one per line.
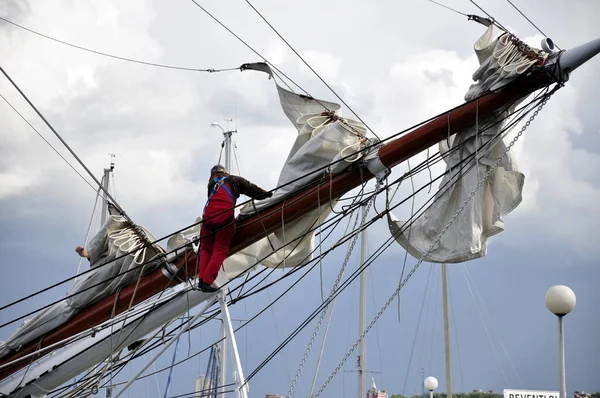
<point>214,247</point>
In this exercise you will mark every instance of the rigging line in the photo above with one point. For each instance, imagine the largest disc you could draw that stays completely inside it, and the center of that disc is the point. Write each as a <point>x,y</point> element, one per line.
<point>456,341</point>
<point>412,350</point>
<point>247,45</point>
<point>221,152</point>
<point>530,21</point>
<point>114,184</point>
<point>449,8</point>
<point>116,56</point>
<point>66,145</point>
<point>47,142</point>
<point>442,232</point>
<point>412,211</point>
<point>87,234</point>
<point>494,20</point>
<point>194,393</point>
<point>494,330</point>
<point>436,304</point>
<point>310,67</point>
<point>376,327</point>
<point>235,156</point>
<point>431,298</point>
<point>277,334</point>
<point>487,333</point>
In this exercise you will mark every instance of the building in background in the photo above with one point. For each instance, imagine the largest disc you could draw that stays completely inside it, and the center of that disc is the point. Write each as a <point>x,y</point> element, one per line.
<point>374,393</point>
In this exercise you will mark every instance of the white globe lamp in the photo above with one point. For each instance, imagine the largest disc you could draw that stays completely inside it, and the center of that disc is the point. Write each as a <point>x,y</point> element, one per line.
<point>561,300</point>
<point>430,384</point>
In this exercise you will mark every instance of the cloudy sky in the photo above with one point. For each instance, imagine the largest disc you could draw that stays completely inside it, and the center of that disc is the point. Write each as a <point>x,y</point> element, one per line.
<point>395,64</point>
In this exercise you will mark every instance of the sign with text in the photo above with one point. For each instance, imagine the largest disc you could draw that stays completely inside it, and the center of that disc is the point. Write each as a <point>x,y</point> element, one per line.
<point>530,394</point>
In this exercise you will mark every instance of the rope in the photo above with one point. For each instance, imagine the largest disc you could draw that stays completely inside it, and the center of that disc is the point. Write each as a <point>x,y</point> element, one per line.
<point>116,56</point>
<point>530,21</point>
<point>412,350</point>
<point>247,45</point>
<point>87,233</point>
<point>468,277</point>
<point>492,19</point>
<point>310,67</point>
<point>47,142</point>
<point>433,245</point>
<point>65,144</point>
<point>456,340</point>
<point>487,332</point>
<point>449,8</point>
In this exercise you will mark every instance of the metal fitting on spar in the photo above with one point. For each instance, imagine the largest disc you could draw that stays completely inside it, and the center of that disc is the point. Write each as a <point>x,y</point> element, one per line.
<point>548,45</point>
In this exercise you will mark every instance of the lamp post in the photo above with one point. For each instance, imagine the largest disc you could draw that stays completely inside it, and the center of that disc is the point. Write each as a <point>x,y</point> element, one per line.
<point>561,300</point>
<point>430,384</point>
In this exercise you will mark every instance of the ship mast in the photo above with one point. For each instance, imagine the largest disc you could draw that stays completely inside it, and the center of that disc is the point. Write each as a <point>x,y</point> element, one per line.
<point>105,180</point>
<point>362,322</point>
<point>446,330</point>
<point>227,138</point>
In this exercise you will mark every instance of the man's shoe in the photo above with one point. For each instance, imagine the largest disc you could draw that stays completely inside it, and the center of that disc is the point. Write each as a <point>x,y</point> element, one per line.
<point>206,288</point>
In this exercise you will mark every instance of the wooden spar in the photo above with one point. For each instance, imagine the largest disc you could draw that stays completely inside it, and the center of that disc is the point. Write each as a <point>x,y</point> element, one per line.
<point>254,227</point>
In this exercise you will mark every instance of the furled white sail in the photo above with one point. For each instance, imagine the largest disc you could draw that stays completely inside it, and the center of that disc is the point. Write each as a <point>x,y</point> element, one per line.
<point>110,245</point>
<point>501,61</point>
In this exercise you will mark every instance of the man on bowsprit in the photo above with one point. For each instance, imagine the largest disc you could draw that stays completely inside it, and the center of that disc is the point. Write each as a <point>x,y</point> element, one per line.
<point>218,221</point>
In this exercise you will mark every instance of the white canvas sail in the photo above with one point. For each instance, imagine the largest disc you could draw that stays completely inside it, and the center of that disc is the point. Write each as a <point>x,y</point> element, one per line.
<point>501,62</point>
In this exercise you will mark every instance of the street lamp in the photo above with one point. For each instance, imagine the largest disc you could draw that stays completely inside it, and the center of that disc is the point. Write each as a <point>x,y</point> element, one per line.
<point>430,384</point>
<point>561,300</point>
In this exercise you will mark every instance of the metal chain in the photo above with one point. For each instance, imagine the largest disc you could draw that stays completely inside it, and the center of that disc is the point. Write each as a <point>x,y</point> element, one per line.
<point>333,290</point>
<point>437,239</point>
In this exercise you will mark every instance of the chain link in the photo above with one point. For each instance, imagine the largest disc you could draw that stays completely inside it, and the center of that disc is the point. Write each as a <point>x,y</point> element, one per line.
<point>437,239</point>
<point>333,290</point>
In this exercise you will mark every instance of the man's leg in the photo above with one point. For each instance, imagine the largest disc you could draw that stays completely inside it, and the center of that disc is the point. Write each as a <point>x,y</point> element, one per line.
<point>220,251</point>
<point>207,242</point>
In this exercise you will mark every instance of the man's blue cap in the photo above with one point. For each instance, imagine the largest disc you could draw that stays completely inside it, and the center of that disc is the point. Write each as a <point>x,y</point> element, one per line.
<point>217,168</point>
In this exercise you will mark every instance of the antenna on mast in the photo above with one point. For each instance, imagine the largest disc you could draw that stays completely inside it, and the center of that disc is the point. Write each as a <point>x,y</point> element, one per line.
<point>227,139</point>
